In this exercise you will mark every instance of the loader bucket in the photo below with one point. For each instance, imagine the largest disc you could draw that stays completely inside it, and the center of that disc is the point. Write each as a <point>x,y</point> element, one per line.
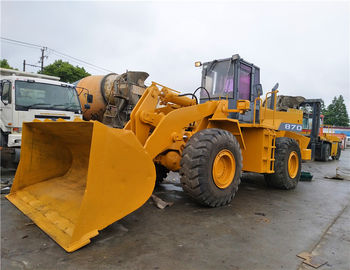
<point>75,178</point>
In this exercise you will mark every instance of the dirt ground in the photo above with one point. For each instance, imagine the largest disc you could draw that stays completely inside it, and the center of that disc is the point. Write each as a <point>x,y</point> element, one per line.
<point>263,228</point>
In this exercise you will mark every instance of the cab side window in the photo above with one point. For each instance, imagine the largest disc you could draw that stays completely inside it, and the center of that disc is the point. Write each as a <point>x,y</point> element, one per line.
<point>245,73</point>
<point>6,92</point>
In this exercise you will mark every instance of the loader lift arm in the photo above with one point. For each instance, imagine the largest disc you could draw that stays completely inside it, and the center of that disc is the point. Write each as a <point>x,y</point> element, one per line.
<point>168,127</point>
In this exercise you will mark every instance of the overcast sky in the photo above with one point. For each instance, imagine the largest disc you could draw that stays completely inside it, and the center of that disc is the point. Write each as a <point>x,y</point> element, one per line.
<point>303,46</point>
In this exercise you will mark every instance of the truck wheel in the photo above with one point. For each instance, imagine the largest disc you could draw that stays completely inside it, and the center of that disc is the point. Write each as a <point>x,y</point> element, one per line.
<point>3,140</point>
<point>337,156</point>
<point>161,172</point>
<point>211,167</point>
<point>325,151</point>
<point>287,164</point>
<point>4,163</point>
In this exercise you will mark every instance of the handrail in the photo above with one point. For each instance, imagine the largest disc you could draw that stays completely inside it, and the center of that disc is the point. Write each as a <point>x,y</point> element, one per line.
<point>255,100</point>
<point>330,129</point>
<point>274,104</point>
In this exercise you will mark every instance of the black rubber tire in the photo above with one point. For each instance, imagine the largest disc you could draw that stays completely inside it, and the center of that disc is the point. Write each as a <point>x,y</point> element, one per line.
<point>161,172</point>
<point>3,139</point>
<point>197,162</point>
<point>318,153</point>
<point>325,151</point>
<point>280,178</point>
<point>337,156</point>
<point>4,162</point>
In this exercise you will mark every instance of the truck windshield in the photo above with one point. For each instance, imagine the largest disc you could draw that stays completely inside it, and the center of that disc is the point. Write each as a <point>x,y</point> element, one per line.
<point>46,96</point>
<point>219,79</point>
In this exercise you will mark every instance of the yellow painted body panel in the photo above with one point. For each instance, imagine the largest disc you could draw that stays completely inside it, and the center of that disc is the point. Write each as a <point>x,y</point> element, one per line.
<point>259,155</point>
<point>76,178</point>
<point>333,140</point>
<point>273,119</point>
<point>231,125</point>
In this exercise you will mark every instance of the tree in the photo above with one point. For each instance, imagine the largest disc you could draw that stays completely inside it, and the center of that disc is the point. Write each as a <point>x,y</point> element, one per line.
<point>336,113</point>
<point>5,64</point>
<point>66,71</point>
<point>323,107</point>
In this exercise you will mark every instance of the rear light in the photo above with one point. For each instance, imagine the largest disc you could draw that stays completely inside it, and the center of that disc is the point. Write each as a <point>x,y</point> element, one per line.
<point>16,130</point>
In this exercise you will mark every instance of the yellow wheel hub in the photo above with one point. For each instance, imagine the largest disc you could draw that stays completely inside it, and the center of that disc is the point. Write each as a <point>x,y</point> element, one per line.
<point>224,168</point>
<point>293,164</point>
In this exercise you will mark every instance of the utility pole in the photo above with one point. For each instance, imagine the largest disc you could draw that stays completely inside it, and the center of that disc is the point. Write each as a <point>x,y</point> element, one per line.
<point>43,49</point>
<point>26,64</point>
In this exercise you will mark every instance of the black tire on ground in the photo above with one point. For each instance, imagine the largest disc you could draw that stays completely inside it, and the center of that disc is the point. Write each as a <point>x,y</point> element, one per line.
<point>337,156</point>
<point>197,165</point>
<point>325,151</point>
<point>4,162</point>
<point>318,153</point>
<point>3,139</point>
<point>281,178</point>
<point>161,172</point>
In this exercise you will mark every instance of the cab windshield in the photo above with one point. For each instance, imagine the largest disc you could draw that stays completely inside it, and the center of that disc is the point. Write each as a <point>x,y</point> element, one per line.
<point>30,95</point>
<point>219,79</point>
<point>307,123</point>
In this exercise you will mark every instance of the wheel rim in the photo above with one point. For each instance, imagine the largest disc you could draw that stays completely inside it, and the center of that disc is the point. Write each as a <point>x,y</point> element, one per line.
<point>293,164</point>
<point>224,168</point>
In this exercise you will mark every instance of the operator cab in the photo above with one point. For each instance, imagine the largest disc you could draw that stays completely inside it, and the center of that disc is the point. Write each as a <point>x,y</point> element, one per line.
<point>233,79</point>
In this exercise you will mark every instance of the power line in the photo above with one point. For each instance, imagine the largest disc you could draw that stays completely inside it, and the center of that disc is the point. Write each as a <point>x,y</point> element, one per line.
<point>74,61</point>
<point>66,55</point>
<point>19,44</point>
<point>26,44</point>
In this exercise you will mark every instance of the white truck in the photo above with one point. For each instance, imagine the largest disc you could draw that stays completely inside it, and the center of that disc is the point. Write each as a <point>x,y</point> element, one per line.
<point>28,96</point>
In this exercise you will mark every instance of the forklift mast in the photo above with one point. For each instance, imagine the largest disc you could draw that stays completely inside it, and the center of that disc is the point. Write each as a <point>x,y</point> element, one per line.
<point>314,107</point>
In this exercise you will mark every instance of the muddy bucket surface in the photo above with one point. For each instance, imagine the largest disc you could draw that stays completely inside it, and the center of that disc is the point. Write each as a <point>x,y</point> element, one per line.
<point>75,178</point>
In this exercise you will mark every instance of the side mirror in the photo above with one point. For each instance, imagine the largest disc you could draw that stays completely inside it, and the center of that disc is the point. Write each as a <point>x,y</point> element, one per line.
<point>87,106</point>
<point>259,90</point>
<point>89,98</point>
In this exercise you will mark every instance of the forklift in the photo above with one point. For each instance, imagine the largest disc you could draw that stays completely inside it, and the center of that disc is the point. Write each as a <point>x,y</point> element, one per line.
<point>323,145</point>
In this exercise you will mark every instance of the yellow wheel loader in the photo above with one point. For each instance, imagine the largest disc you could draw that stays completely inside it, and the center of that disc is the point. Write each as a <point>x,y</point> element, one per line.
<point>76,178</point>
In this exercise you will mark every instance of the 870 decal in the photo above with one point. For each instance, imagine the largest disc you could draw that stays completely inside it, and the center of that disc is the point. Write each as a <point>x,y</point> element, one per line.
<point>290,127</point>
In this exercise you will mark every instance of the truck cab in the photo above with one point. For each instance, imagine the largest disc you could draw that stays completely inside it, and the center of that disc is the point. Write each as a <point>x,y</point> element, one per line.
<point>28,96</point>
